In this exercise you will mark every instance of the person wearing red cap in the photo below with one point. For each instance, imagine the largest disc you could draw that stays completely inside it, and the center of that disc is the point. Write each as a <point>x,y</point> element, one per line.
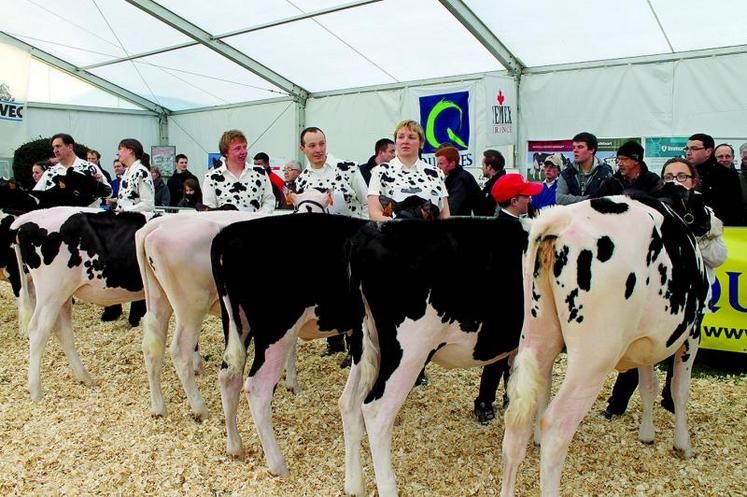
<point>512,193</point>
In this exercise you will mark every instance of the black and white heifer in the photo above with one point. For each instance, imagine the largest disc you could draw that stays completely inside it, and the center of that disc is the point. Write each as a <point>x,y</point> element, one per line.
<point>449,292</point>
<point>67,253</point>
<point>620,283</point>
<point>258,303</point>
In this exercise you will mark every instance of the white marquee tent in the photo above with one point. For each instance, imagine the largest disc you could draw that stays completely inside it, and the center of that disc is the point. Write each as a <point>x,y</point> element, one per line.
<point>180,72</point>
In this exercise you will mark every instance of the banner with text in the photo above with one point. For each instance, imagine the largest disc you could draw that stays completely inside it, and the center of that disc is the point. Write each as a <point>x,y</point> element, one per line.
<point>500,103</point>
<point>13,90</point>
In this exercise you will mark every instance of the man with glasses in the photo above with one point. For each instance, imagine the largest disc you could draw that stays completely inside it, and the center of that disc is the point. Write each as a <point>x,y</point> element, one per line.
<point>632,173</point>
<point>719,185</point>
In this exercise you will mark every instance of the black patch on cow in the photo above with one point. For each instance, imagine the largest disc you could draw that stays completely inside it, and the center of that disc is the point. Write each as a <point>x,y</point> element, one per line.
<point>561,259</point>
<point>583,269</point>
<point>662,274</point>
<point>629,285</point>
<point>654,247</point>
<point>605,205</point>
<point>605,248</point>
<point>573,309</point>
<point>8,261</point>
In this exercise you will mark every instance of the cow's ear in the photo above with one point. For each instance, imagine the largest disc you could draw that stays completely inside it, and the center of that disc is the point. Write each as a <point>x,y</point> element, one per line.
<point>329,198</point>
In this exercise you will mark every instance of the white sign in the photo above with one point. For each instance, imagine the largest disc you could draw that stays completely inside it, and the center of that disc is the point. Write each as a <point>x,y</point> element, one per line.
<point>14,80</point>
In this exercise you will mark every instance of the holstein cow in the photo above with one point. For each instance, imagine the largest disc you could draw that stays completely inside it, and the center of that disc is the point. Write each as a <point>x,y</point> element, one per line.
<point>257,302</point>
<point>173,254</point>
<point>620,283</point>
<point>446,291</point>
<point>89,255</point>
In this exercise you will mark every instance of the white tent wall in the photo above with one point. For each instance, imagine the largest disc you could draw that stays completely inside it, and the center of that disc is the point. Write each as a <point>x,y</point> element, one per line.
<point>269,128</point>
<point>101,129</point>
<point>674,98</point>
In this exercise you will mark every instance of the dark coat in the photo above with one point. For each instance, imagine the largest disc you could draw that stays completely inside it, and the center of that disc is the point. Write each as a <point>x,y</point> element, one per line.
<point>486,205</point>
<point>721,191</point>
<point>176,185</point>
<point>464,192</point>
<point>646,182</point>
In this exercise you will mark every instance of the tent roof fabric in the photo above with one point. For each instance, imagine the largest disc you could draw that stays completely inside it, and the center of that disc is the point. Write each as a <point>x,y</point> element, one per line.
<point>187,54</point>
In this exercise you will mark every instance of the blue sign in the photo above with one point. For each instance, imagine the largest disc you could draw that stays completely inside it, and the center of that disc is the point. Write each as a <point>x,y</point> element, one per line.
<point>445,119</point>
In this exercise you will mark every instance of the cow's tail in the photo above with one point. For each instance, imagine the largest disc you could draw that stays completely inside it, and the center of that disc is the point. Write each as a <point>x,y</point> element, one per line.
<point>234,354</point>
<point>25,302</point>
<point>152,344</point>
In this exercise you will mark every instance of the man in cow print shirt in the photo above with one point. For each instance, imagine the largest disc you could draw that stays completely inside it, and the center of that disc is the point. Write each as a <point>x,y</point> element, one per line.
<point>324,172</point>
<point>236,183</point>
<point>63,148</point>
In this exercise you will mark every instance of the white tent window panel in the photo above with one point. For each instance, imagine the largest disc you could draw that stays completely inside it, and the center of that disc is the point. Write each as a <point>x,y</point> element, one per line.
<point>694,25</point>
<point>346,49</point>
<point>50,85</point>
<point>75,31</point>
<point>189,78</point>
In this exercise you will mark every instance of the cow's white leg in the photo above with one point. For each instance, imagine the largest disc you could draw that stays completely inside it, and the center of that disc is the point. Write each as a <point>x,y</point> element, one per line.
<point>259,388</point>
<point>648,386</point>
<point>291,373</point>
<point>182,350</point>
<point>683,363</point>
<point>155,327</point>
<point>64,331</point>
<point>198,364</point>
<point>43,320</point>
<point>584,378</point>
<point>353,429</point>
<point>229,377</point>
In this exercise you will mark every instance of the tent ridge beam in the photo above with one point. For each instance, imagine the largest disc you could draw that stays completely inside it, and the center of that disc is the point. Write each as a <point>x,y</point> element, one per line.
<point>84,75</point>
<point>484,35</point>
<point>203,37</point>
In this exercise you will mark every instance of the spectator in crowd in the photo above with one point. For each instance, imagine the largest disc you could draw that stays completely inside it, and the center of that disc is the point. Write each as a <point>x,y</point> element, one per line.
<point>192,194</point>
<point>237,184</point>
<point>714,252</point>
<point>492,169</point>
<point>719,185</point>
<point>632,173</point>
<point>94,157</point>
<point>743,155</point>
<point>582,178</point>
<point>407,175</point>
<point>291,170</point>
<point>176,182</point>
<point>119,170</point>
<point>325,172</point>
<point>551,169</point>
<point>37,170</point>
<point>262,159</point>
<point>161,196</point>
<point>383,152</point>
<point>512,193</point>
<point>464,192</point>
<point>724,155</point>
<point>136,191</point>
<point>63,147</point>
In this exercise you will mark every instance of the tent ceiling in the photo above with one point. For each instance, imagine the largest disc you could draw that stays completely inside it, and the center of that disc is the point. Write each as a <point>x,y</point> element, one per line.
<point>229,51</point>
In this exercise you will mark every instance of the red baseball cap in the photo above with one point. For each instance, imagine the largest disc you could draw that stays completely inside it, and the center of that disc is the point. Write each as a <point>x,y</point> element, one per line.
<point>510,185</point>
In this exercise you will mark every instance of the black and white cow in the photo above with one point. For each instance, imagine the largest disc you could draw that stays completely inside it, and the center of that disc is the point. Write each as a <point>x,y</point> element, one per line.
<point>620,283</point>
<point>67,253</point>
<point>258,303</point>
<point>72,188</point>
<point>449,292</point>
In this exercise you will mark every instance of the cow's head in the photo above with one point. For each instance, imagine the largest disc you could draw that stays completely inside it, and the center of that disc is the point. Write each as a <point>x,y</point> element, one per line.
<point>413,207</point>
<point>14,198</point>
<point>688,204</point>
<point>72,188</point>
<point>311,200</point>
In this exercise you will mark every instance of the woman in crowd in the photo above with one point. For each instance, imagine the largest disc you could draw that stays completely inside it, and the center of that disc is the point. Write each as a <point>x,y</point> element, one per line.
<point>37,170</point>
<point>162,195</point>
<point>136,190</point>
<point>714,252</point>
<point>406,175</point>
<point>192,194</point>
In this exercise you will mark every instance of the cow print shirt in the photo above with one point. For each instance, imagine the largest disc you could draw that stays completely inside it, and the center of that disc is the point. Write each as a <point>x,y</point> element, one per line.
<point>136,190</point>
<point>80,166</point>
<point>250,192</point>
<point>398,182</point>
<point>343,178</point>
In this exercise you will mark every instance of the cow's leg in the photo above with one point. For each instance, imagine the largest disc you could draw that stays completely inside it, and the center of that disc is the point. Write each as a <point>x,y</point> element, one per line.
<point>259,388</point>
<point>183,345</point>
<point>198,365</point>
<point>42,322</point>
<point>155,328</point>
<point>64,331</point>
<point>683,364</point>
<point>291,373</point>
<point>584,378</point>
<point>647,386</point>
<point>229,377</point>
<point>353,428</point>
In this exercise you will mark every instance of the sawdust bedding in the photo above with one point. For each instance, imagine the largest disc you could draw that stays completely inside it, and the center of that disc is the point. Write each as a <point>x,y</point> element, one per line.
<point>103,441</point>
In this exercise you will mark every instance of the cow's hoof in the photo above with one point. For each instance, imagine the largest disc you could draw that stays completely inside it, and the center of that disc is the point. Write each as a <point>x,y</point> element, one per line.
<point>294,389</point>
<point>235,452</point>
<point>200,414</point>
<point>646,441</point>
<point>111,313</point>
<point>280,470</point>
<point>36,396</point>
<point>685,453</point>
<point>158,412</point>
<point>346,362</point>
<point>484,413</point>
<point>422,380</point>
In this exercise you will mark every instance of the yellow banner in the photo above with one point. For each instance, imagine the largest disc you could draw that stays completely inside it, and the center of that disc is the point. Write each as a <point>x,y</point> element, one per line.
<point>726,328</point>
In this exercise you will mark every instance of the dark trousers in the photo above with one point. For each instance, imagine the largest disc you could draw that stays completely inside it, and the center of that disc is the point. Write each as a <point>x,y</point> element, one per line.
<point>491,379</point>
<point>626,384</point>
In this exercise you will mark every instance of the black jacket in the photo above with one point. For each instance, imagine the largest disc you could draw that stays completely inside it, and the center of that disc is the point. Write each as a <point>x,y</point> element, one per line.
<point>367,167</point>
<point>464,192</point>
<point>176,185</point>
<point>721,191</point>
<point>646,182</point>
<point>486,206</point>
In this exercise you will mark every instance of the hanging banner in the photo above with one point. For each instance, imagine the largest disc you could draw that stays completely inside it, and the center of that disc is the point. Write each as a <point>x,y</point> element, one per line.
<point>660,149</point>
<point>607,149</point>
<point>725,328</point>
<point>164,158</point>
<point>500,100</point>
<point>539,150</point>
<point>13,90</point>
